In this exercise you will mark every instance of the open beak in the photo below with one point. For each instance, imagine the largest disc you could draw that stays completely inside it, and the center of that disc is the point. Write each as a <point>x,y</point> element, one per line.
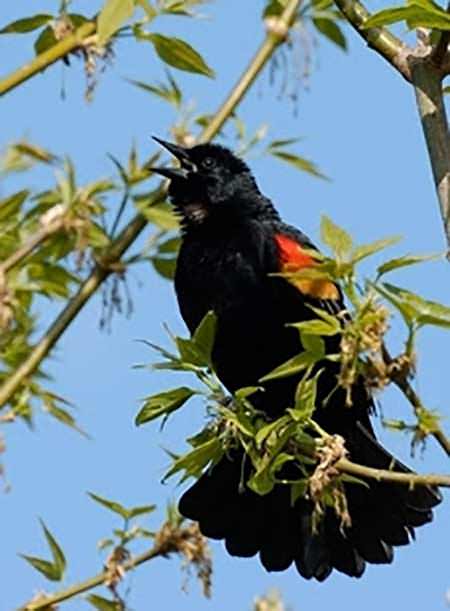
<point>180,153</point>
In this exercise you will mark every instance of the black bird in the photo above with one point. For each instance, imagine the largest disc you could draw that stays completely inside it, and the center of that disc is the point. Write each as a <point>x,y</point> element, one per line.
<point>233,241</point>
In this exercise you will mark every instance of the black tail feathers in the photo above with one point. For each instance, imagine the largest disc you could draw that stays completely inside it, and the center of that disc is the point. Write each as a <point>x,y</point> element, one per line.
<point>383,515</point>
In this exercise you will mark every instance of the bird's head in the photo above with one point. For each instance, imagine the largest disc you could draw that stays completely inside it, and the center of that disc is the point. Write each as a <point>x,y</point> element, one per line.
<point>211,182</point>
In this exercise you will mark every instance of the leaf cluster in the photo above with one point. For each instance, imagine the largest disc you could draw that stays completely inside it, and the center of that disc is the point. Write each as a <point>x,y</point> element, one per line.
<point>282,451</point>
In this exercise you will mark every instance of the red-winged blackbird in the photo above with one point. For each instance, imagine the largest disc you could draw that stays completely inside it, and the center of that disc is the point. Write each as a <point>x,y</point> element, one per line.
<point>233,242</point>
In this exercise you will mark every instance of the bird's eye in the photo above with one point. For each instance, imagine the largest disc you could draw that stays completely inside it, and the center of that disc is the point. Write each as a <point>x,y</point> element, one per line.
<point>208,163</point>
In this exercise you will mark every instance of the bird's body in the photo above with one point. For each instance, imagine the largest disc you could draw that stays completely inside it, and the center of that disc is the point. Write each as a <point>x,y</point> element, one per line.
<point>234,245</point>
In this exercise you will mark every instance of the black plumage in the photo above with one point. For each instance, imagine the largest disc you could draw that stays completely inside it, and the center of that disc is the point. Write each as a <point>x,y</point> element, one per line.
<point>233,242</point>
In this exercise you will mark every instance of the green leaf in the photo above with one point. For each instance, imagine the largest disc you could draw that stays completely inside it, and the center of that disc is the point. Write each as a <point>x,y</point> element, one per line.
<point>247,391</point>
<point>330,319</point>
<point>161,215</point>
<point>336,238</point>
<point>366,250</point>
<point>104,544</point>
<point>54,571</point>
<point>28,24</point>
<point>10,206</point>
<point>291,367</point>
<point>298,162</point>
<point>43,566</point>
<point>406,310</point>
<point>97,236</point>
<point>112,16</point>
<point>126,514</point>
<point>314,345</point>
<point>282,143</point>
<point>77,19</point>
<point>170,246</point>
<point>386,17</point>
<point>330,29</point>
<point>274,8</point>
<point>205,334</point>
<point>165,267</point>
<point>263,481</point>
<point>305,398</point>
<point>415,308</point>
<point>103,604</point>
<point>141,510</point>
<point>59,559</point>
<point>180,7</point>
<point>416,14</point>
<point>269,429</point>
<point>194,462</point>
<point>299,490</point>
<point>37,153</point>
<point>111,505</point>
<point>62,415</point>
<point>171,93</point>
<point>190,353</point>
<point>240,420</point>
<point>163,403</point>
<point>45,40</point>
<point>318,327</point>
<point>150,11</point>
<point>179,54</point>
<point>51,280</point>
<point>405,261</point>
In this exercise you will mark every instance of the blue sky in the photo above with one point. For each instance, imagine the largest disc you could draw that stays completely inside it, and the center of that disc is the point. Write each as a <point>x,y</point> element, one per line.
<point>358,121</point>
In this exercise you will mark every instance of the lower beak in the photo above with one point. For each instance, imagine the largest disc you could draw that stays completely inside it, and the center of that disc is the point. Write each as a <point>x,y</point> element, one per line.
<point>170,173</point>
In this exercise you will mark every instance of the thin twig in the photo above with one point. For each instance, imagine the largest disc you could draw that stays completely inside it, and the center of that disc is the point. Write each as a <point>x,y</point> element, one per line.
<point>345,465</point>
<point>32,243</point>
<point>401,381</point>
<point>47,58</point>
<point>394,50</point>
<point>129,234</point>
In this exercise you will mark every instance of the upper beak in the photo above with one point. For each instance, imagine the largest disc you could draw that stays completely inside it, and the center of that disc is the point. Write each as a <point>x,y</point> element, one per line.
<point>182,154</point>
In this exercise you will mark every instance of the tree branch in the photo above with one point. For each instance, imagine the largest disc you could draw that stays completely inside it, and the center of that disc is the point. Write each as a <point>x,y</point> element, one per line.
<point>424,68</point>
<point>47,58</point>
<point>383,475</point>
<point>401,381</point>
<point>46,602</point>
<point>427,82</point>
<point>137,224</point>
<point>170,539</point>
<point>394,50</point>
<point>90,285</point>
<point>277,32</point>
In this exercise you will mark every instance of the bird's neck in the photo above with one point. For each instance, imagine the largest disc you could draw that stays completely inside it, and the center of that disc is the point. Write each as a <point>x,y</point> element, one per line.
<point>199,218</point>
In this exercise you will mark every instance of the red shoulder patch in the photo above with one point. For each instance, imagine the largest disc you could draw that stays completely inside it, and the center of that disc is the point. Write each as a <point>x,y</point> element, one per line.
<point>293,257</point>
<point>291,253</point>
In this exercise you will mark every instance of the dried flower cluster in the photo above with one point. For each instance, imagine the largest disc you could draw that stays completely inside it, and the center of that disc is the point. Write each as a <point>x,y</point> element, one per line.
<point>192,546</point>
<point>271,601</point>
<point>364,336</point>
<point>324,481</point>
